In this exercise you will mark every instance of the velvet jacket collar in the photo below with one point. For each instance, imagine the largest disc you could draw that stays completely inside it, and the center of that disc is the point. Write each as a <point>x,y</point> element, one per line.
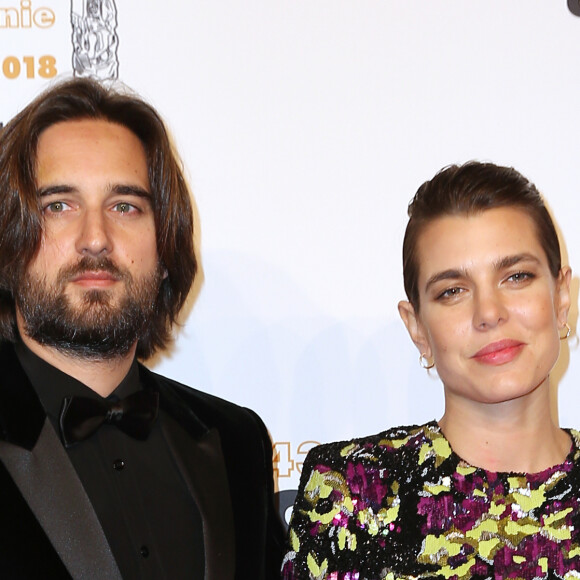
<point>32,453</point>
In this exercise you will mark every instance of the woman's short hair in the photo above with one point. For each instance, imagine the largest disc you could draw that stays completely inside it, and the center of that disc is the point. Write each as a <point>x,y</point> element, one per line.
<point>469,189</point>
<point>21,220</point>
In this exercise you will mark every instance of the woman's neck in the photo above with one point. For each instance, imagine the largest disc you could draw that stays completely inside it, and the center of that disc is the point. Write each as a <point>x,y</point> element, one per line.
<point>518,436</point>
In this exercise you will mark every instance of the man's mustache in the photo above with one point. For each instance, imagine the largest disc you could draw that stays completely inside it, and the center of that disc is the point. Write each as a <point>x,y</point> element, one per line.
<point>88,264</point>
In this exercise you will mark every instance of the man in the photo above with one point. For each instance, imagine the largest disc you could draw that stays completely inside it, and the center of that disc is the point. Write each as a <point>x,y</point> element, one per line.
<point>108,470</point>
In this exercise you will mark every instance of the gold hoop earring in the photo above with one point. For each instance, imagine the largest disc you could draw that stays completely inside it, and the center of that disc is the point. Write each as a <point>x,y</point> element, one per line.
<point>568,331</point>
<point>424,362</point>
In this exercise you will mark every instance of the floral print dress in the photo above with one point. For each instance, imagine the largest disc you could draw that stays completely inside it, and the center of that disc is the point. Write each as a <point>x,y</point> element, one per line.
<point>402,505</point>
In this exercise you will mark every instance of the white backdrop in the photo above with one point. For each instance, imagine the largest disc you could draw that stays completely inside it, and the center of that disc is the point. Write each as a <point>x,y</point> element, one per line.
<point>305,127</point>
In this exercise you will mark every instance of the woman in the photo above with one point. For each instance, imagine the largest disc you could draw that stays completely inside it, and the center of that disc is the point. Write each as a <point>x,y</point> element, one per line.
<point>491,490</point>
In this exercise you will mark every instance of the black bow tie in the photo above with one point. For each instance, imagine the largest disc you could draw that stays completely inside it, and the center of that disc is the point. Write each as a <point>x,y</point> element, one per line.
<point>81,416</point>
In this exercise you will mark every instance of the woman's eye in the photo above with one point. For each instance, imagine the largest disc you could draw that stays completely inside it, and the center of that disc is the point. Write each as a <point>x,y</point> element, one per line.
<point>450,293</point>
<point>519,277</point>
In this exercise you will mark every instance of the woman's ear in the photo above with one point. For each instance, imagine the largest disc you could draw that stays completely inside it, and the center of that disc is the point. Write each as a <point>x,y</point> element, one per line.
<point>563,299</point>
<point>415,328</point>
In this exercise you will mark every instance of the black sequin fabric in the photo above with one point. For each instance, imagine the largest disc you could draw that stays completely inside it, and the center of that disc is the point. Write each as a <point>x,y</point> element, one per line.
<point>403,505</point>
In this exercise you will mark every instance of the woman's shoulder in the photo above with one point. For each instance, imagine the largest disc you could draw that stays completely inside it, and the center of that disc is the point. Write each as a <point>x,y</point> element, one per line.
<point>575,435</point>
<point>386,446</point>
<point>574,455</point>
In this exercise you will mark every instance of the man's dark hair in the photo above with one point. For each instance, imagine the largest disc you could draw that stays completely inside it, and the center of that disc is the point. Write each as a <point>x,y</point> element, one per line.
<point>21,220</point>
<point>466,190</point>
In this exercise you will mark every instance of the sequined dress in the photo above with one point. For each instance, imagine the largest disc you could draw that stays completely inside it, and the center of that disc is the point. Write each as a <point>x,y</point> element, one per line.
<point>402,505</point>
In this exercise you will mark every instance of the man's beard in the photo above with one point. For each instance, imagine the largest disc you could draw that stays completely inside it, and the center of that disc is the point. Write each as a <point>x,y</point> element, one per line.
<point>95,328</point>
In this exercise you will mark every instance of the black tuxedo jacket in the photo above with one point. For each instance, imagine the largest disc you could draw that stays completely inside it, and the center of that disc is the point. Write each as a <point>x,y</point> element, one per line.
<point>48,529</point>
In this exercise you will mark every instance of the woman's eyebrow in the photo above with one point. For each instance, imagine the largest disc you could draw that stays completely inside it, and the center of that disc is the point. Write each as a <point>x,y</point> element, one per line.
<point>451,274</point>
<point>510,261</point>
<point>501,264</point>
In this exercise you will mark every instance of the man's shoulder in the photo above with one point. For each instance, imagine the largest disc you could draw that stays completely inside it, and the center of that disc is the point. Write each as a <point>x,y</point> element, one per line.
<point>195,395</point>
<point>212,410</point>
<point>243,437</point>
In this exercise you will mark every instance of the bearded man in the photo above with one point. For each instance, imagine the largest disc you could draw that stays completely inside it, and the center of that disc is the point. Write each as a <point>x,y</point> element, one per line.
<point>107,470</point>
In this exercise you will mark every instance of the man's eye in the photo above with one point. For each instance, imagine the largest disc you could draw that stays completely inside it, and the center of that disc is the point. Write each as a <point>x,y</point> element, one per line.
<point>124,207</point>
<point>56,207</point>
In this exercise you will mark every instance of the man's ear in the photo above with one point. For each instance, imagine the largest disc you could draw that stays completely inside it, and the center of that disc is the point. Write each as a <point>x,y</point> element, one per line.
<point>415,328</point>
<point>563,299</point>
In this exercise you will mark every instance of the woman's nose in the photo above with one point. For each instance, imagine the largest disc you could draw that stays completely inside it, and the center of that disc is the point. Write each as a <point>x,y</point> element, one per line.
<point>490,309</point>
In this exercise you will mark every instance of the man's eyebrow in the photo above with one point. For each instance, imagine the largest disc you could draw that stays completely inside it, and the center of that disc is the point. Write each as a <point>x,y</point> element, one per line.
<point>120,189</point>
<point>132,190</point>
<point>501,264</point>
<point>54,189</point>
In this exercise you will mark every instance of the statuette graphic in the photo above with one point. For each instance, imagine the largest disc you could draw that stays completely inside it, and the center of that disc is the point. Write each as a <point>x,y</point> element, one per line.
<point>95,40</point>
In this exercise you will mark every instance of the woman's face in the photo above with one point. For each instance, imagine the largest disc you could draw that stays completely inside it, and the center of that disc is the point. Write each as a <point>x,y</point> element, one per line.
<point>490,310</point>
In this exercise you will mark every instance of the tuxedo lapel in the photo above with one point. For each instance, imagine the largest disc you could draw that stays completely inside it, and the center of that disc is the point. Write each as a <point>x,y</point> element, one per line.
<point>49,484</point>
<point>202,465</point>
<point>39,466</point>
<point>198,453</point>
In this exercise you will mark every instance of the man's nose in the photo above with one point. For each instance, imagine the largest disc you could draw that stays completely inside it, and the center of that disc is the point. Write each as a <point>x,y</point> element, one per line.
<point>94,237</point>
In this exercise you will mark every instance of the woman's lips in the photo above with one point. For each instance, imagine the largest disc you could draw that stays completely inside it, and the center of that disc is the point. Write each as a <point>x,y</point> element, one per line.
<point>500,352</point>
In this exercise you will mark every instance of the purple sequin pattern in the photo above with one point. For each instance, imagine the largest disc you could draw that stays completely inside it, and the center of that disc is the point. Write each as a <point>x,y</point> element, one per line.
<point>402,505</point>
